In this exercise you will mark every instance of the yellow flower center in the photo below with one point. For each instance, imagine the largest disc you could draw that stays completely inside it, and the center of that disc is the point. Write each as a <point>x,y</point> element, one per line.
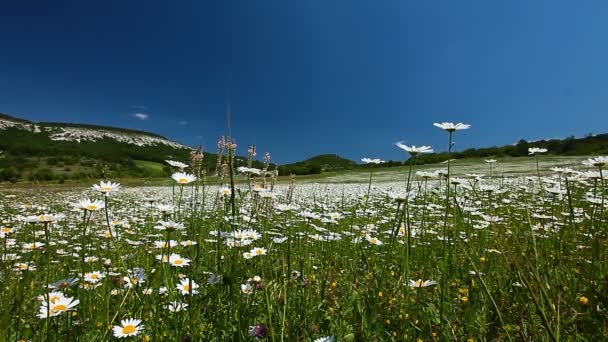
<point>259,252</point>
<point>129,329</point>
<point>23,266</point>
<point>178,261</point>
<point>92,207</point>
<point>187,288</point>
<point>6,229</point>
<point>58,308</point>
<point>182,180</point>
<point>106,188</point>
<point>94,276</point>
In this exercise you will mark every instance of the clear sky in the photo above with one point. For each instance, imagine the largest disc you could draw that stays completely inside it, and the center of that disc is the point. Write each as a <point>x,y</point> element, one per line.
<point>309,77</point>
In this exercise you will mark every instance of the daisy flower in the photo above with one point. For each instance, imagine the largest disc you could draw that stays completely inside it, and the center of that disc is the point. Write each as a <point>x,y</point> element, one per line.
<point>372,161</point>
<point>247,289</point>
<point>60,305</point>
<point>106,187</point>
<point>184,287</point>
<point>451,127</point>
<point>258,251</point>
<point>420,283</point>
<point>183,178</point>
<point>128,327</point>
<point>178,261</point>
<point>89,205</point>
<point>176,306</point>
<point>93,277</point>
<point>535,150</point>
<point>373,240</point>
<point>177,164</point>
<point>597,161</point>
<point>414,150</point>
<point>165,209</point>
<point>170,226</point>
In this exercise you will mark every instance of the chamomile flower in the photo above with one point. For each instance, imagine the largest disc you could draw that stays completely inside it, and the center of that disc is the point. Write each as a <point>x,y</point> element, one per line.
<point>372,161</point>
<point>183,178</point>
<point>176,306</point>
<point>421,283</point>
<point>106,187</point>
<point>597,161</point>
<point>128,327</point>
<point>177,261</point>
<point>414,150</point>
<point>258,251</point>
<point>186,288</point>
<point>93,277</point>
<point>536,150</point>
<point>170,226</point>
<point>87,204</point>
<point>247,289</point>
<point>374,241</point>
<point>61,304</point>
<point>451,127</point>
<point>177,164</point>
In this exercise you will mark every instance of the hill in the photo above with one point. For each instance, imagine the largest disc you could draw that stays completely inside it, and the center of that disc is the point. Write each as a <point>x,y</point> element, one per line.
<point>589,145</point>
<point>317,164</point>
<point>48,150</point>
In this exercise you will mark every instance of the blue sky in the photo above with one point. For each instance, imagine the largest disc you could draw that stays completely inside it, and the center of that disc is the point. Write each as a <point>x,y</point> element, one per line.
<point>310,77</point>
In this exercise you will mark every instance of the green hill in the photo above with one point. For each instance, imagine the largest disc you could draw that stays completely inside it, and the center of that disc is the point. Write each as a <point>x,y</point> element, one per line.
<point>571,146</point>
<point>317,164</point>
<point>57,151</point>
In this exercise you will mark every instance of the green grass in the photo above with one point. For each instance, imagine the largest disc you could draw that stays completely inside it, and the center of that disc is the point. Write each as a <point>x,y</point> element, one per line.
<point>155,169</point>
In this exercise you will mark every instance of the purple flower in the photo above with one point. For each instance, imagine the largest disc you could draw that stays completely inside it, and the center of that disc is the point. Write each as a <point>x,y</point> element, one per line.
<point>259,331</point>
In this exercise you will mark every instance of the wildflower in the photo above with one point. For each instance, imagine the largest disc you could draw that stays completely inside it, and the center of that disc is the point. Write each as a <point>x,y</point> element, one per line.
<point>414,150</point>
<point>61,304</point>
<point>89,205</point>
<point>420,283</point>
<point>178,261</point>
<point>183,178</point>
<point>249,170</point>
<point>535,150</point>
<point>248,255</point>
<point>582,300</point>
<point>106,187</point>
<point>247,289</point>
<point>128,327</point>
<point>597,161</point>
<point>373,240</point>
<point>45,218</point>
<point>372,161</point>
<point>32,246</point>
<point>25,266</point>
<point>258,251</point>
<point>176,306</point>
<point>451,127</point>
<point>63,283</point>
<point>184,286</point>
<point>165,209</point>
<point>170,226</point>
<point>93,277</point>
<point>177,164</point>
<point>325,339</point>
<point>258,331</point>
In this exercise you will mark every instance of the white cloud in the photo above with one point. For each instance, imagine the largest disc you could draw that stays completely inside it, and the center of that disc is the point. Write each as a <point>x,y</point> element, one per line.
<point>141,116</point>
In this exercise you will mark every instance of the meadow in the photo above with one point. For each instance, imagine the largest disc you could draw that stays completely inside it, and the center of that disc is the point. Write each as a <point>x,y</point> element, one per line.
<point>458,251</point>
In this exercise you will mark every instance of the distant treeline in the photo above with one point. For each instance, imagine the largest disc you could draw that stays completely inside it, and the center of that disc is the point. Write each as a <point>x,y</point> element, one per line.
<point>589,145</point>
